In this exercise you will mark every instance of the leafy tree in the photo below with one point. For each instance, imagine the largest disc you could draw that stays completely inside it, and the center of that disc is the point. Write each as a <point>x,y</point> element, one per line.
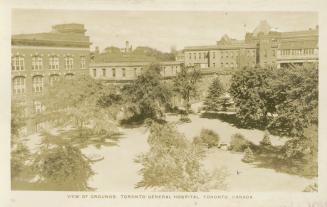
<point>297,108</point>
<point>147,96</point>
<point>174,164</point>
<point>252,96</point>
<point>62,167</point>
<point>185,85</point>
<point>79,102</point>
<point>248,156</point>
<point>214,101</point>
<point>19,151</point>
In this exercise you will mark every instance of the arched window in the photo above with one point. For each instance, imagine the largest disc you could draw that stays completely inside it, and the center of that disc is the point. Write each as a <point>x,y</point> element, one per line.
<point>124,72</point>
<point>17,63</point>
<point>37,62</point>
<point>19,85</point>
<point>113,72</point>
<point>37,84</point>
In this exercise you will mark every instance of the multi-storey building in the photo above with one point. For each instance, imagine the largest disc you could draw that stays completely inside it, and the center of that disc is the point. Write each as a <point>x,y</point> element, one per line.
<point>40,59</point>
<point>226,54</point>
<point>264,46</point>
<point>284,48</point>
<point>120,72</point>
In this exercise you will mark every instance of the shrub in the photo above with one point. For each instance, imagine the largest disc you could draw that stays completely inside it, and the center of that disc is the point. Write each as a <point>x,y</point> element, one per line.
<point>208,138</point>
<point>248,156</point>
<point>266,140</point>
<point>238,143</point>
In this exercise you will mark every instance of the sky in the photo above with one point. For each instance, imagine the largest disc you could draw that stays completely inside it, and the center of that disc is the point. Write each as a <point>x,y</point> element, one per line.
<point>159,29</point>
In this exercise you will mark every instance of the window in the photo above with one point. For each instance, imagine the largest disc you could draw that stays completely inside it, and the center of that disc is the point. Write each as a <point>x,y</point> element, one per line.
<point>53,63</point>
<point>194,54</point>
<point>190,55</point>
<point>38,107</point>
<point>53,79</point>
<point>222,65</point>
<point>19,85</point>
<point>69,61</point>
<point>214,65</point>
<point>204,55</point>
<point>37,84</point>
<point>113,72</point>
<point>17,63</point>
<point>104,72</point>
<point>123,72</point>
<point>200,56</point>
<point>213,55</point>
<point>37,63</point>
<point>83,62</point>
<point>94,72</point>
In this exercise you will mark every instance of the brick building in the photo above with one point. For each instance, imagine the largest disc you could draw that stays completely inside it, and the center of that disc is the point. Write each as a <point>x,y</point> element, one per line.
<point>227,54</point>
<point>39,59</point>
<point>264,46</point>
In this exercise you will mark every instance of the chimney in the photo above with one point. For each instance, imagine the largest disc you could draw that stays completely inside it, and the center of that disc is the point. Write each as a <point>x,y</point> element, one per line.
<point>126,46</point>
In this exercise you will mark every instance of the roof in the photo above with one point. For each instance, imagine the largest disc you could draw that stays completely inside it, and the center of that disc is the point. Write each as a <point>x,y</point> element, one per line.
<point>107,58</point>
<point>72,35</point>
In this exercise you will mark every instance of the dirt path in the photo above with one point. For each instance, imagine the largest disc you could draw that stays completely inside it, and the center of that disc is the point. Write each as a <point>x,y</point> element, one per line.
<point>118,171</point>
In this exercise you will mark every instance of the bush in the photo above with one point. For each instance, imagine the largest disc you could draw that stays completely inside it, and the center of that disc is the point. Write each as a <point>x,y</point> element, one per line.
<point>266,140</point>
<point>248,156</point>
<point>238,143</point>
<point>207,137</point>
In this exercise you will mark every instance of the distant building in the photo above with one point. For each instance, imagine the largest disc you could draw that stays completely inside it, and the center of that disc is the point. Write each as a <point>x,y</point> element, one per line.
<point>226,54</point>
<point>40,59</point>
<point>120,72</point>
<point>284,48</point>
<point>265,46</point>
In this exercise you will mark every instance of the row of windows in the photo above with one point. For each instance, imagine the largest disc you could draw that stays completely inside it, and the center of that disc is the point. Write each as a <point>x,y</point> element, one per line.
<point>114,72</point>
<point>18,63</point>
<point>297,52</point>
<point>223,54</point>
<point>19,83</point>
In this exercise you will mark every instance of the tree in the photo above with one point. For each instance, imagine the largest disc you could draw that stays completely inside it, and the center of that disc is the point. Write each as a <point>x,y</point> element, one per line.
<point>214,101</point>
<point>252,96</point>
<point>248,155</point>
<point>185,85</point>
<point>147,96</point>
<point>266,140</point>
<point>19,151</point>
<point>174,164</point>
<point>77,102</point>
<point>296,90</point>
<point>62,167</point>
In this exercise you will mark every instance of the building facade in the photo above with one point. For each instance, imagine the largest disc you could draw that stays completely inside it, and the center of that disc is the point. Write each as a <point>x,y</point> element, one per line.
<point>120,72</point>
<point>264,46</point>
<point>42,58</point>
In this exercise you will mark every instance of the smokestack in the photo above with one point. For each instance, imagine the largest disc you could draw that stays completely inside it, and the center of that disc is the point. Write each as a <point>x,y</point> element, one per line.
<point>127,46</point>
